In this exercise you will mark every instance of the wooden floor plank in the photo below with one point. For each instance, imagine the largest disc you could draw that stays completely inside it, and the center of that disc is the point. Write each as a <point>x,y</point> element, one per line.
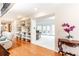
<point>23,48</point>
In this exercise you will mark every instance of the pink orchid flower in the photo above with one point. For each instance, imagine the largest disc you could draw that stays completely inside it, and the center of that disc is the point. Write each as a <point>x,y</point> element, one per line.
<point>67,27</point>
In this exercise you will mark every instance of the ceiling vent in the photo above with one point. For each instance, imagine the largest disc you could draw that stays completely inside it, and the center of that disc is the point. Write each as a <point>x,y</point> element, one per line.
<point>5,8</point>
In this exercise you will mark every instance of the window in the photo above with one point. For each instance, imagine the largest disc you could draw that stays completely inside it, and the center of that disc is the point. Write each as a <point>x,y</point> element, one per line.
<point>46,29</point>
<point>39,27</point>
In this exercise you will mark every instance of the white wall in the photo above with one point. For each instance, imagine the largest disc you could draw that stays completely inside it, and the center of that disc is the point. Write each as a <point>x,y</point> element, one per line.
<point>67,13</point>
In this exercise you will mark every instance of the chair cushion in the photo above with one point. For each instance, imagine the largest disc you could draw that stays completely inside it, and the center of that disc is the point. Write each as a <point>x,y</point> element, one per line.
<point>7,35</point>
<point>2,38</point>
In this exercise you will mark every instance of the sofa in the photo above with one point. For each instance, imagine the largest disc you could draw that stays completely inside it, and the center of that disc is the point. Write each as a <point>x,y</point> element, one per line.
<point>6,40</point>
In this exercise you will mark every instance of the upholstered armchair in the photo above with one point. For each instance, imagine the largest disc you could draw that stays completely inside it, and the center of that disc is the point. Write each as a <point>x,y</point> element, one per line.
<point>6,40</point>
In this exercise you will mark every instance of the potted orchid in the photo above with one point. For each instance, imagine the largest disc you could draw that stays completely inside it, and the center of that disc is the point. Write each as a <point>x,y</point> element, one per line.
<point>68,28</point>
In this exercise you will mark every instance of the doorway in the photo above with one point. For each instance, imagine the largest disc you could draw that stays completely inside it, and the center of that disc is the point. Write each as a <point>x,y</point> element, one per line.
<point>45,32</point>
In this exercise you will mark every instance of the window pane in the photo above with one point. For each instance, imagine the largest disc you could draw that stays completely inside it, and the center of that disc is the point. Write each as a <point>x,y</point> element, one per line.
<point>44,28</point>
<point>48,28</point>
<point>39,27</point>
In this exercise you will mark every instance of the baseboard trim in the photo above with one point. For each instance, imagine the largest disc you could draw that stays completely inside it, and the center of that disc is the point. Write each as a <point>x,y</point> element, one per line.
<point>44,47</point>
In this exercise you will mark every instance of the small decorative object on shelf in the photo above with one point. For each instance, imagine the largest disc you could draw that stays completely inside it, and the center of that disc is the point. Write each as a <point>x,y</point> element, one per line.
<point>68,28</point>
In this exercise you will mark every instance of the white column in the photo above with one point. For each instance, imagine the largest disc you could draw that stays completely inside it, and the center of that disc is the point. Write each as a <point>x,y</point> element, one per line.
<point>33,30</point>
<point>14,28</point>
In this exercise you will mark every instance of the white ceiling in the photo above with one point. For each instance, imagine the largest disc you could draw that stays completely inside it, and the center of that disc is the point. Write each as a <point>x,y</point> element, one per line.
<point>31,10</point>
<point>1,5</point>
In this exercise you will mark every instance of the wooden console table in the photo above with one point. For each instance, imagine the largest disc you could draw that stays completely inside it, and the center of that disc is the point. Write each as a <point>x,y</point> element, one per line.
<point>71,43</point>
<point>3,52</point>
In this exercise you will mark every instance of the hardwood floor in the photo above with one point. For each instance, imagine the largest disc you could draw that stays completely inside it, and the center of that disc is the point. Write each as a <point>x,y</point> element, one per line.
<point>22,48</point>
